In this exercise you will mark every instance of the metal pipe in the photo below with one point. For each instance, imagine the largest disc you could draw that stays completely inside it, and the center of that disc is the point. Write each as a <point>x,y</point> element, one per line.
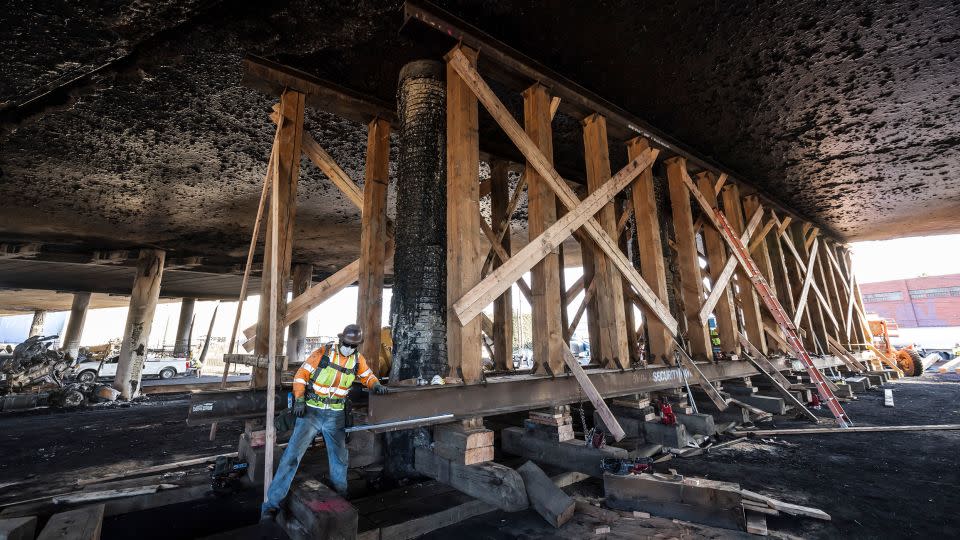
<point>391,426</point>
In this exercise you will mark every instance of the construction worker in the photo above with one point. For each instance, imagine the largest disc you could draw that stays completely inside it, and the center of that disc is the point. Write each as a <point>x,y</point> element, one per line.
<point>320,389</point>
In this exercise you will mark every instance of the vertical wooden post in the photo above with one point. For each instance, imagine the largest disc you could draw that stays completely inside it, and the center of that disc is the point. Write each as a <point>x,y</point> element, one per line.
<point>373,239</point>
<point>287,156</point>
<point>816,333</point>
<point>716,251</point>
<point>820,267</point>
<point>502,306</point>
<point>36,325</point>
<point>686,239</point>
<point>589,274</point>
<point>464,260</point>
<point>860,327</point>
<point>761,255</point>
<point>181,343</point>
<point>74,331</point>
<point>613,349</point>
<point>542,212</point>
<point>781,271</point>
<point>652,264</point>
<point>297,331</point>
<point>749,302</point>
<point>136,331</point>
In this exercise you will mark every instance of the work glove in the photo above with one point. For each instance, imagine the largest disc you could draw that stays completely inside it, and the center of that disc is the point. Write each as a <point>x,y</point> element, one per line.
<point>379,388</point>
<point>299,407</point>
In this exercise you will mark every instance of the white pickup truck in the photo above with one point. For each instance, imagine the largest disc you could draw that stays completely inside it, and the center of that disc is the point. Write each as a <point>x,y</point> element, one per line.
<point>165,367</point>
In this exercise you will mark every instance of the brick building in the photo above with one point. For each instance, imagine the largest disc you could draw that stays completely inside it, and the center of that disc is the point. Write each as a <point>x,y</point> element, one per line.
<point>929,301</point>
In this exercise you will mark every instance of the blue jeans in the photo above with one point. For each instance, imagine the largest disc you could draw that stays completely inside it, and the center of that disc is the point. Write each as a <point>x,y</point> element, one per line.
<point>331,424</point>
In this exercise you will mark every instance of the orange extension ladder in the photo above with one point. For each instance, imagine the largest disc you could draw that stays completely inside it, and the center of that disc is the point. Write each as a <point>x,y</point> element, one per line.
<point>789,330</point>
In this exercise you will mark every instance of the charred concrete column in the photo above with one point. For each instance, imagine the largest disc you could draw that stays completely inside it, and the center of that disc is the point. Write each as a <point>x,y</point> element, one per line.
<point>36,326</point>
<point>74,331</point>
<point>182,344</point>
<point>136,332</point>
<point>297,331</point>
<point>418,312</point>
<point>418,308</point>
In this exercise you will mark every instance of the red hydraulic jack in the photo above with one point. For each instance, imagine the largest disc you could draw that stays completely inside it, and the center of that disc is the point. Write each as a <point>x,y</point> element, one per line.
<point>750,268</point>
<point>666,413</point>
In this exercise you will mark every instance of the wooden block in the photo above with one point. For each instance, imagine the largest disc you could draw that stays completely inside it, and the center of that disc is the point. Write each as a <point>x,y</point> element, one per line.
<point>555,433</point>
<point>464,439</point>
<point>756,523</point>
<point>21,528</point>
<point>547,499</point>
<point>490,482</point>
<point>461,456</point>
<point>80,524</point>
<point>887,397</point>
<point>569,455</point>
<point>602,530</point>
<point>690,499</point>
<point>321,511</point>
<point>642,515</point>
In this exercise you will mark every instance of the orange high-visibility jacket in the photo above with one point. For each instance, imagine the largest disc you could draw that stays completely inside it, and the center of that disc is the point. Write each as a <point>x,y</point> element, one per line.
<point>333,383</point>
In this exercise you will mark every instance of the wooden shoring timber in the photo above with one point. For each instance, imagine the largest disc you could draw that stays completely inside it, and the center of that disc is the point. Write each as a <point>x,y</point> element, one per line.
<point>373,239</point>
<point>844,355</point>
<point>499,280</point>
<point>774,334</point>
<point>842,301</point>
<point>728,269</point>
<point>802,263</point>
<point>545,303</point>
<point>564,194</point>
<point>660,339</point>
<point>463,218</point>
<point>502,256</point>
<point>587,296</point>
<point>283,202</point>
<point>716,255</point>
<point>503,223</point>
<point>503,305</point>
<point>781,275</point>
<point>780,383</point>
<point>613,348</point>
<point>760,239</point>
<point>573,290</point>
<point>761,254</point>
<point>827,285</point>
<point>807,281</point>
<point>853,332</point>
<point>609,420</point>
<point>691,283</point>
<point>701,379</point>
<point>863,333</point>
<point>749,302</point>
<point>624,216</point>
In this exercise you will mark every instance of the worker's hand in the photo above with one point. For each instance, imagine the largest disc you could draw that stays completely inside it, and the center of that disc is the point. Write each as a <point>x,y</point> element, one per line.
<point>299,407</point>
<point>379,388</point>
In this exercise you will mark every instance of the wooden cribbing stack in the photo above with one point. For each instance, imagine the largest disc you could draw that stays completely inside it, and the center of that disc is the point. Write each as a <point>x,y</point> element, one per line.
<point>766,295</point>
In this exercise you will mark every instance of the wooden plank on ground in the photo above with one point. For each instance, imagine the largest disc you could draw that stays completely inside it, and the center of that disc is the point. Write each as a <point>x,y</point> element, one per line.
<point>852,429</point>
<point>80,524</point>
<point>555,506</point>
<point>591,392</point>
<point>785,507</point>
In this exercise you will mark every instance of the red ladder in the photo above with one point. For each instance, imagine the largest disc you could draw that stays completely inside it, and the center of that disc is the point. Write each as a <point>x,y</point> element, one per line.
<point>789,330</point>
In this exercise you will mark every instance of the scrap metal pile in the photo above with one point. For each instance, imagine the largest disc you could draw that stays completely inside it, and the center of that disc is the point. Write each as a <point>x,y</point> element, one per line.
<point>36,374</point>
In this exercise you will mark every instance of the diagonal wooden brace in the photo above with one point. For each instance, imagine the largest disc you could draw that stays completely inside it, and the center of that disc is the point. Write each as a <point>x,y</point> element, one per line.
<point>565,195</point>
<point>498,281</point>
<point>728,270</point>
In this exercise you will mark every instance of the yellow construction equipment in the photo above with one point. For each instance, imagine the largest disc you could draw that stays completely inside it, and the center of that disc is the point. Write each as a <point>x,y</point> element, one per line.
<point>907,359</point>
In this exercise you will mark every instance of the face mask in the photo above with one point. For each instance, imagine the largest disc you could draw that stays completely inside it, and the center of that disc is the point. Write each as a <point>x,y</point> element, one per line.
<point>347,350</point>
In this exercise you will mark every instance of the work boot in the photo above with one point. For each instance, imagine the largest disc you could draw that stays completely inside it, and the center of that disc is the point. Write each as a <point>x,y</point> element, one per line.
<point>268,516</point>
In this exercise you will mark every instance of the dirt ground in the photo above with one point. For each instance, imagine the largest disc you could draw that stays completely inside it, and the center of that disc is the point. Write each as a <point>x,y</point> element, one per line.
<point>873,484</point>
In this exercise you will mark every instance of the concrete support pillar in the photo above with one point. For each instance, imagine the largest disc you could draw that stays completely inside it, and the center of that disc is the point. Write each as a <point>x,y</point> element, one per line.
<point>297,332</point>
<point>418,309</point>
<point>74,331</point>
<point>136,332</point>
<point>36,326</point>
<point>181,345</point>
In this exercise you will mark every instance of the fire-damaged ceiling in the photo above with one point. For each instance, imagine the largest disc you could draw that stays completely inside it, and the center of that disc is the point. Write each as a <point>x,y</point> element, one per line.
<point>125,123</point>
